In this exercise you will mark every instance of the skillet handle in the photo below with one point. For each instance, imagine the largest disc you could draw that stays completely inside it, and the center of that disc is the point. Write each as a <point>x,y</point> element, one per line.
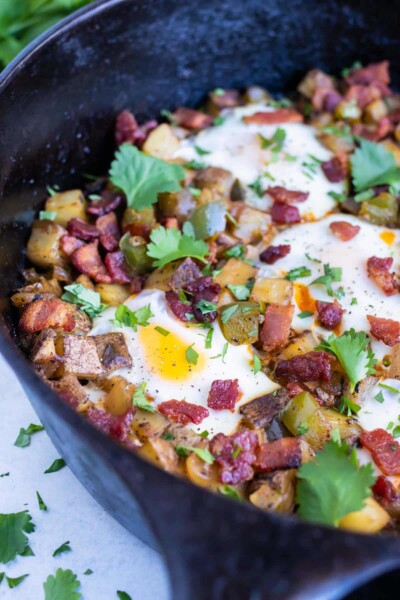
<point>219,549</point>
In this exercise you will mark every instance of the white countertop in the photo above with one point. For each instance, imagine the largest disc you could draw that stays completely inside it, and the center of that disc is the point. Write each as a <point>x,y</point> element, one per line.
<point>118,560</point>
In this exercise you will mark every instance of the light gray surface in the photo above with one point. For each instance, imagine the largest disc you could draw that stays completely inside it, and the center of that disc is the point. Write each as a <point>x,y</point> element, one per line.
<point>118,560</point>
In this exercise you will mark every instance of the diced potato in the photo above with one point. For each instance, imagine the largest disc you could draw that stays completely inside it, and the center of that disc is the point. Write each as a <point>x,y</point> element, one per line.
<point>118,396</point>
<point>235,272</point>
<point>201,473</point>
<point>303,415</point>
<point>112,293</point>
<point>241,325</point>
<point>272,291</point>
<point>113,351</point>
<point>43,348</point>
<point>370,519</point>
<point>218,181</point>
<point>159,279</point>
<point>381,209</point>
<point>43,247</point>
<point>80,356</point>
<point>375,111</point>
<point>275,492</point>
<point>335,143</point>
<point>176,204</point>
<point>67,205</point>
<point>146,424</point>
<point>302,344</point>
<point>348,110</point>
<point>161,142</point>
<point>161,452</point>
<point>348,427</point>
<point>85,281</point>
<point>43,287</point>
<point>143,220</point>
<point>225,297</point>
<point>253,224</point>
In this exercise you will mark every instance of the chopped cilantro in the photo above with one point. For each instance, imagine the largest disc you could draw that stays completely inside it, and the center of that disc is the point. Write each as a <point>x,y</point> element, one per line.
<point>344,132</point>
<point>167,114</point>
<point>218,92</point>
<point>202,453</point>
<point>139,399</point>
<point>62,586</point>
<point>13,540</point>
<point>14,582</point>
<point>298,273</point>
<point>5,474</point>
<point>88,572</point>
<point>129,318</point>
<point>331,275</point>
<point>220,120</point>
<point>57,465</point>
<point>230,492</point>
<point>354,301</point>
<point>396,432</point>
<point>349,407</point>
<point>351,109</point>
<point>316,260</point>
<point>24,436</point>
<point>241,292</point>
<point>224,351</point>
<point>88,300</point>
<point>302,428</point>
<point>385,386</point>
<point>206,307</point>
<point>237,251</point>
<point>168,436</point>
<point>366,195</point>
<point>195,165</point>
<point>390,425</point>
<point>338,197</point>
<point>42,505</point>
<point>335,435</point>
<point>257,187</point>
<point>373,164</point>
<point>65,547</point>
<point>168,245</point>
<point>347,70</point>
<point>52,190</point>
<point>275,143</point>
<point>201,151</point>
<point>333,485</point>
<point>228,312</point>
<point>238,449</point>
<point>305,314</point>
<point>123,595</point>
<point>161,330</point>
<point>209,338</point>
<point>48,215</point>
<point>204,434</point>
<point>280,102</point>
<point>191,355</point>
<point>256,364</point>
<point>231,218</point>
<point>194,191</point>
<point>142,177</point>
<point>379,398</point>
<point>351,349</point>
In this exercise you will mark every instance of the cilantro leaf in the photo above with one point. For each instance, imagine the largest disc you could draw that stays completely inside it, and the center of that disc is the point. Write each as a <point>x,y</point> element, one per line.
<point>48,215</point>
<point>123,595</point>
<point>65,547</point>
<point>142,177</point>
<point>24,437</point>
<point>372,164</point>
<point>191,355</point>
<point>241,292</point>
<point>42,505</point>
<point>351,349</point>
<point>230,492</point>
<point>139,399</point>
<point>57,465</point>
<point>168,245</point>
<point>202,453</point>
<point>237,251</point>
<point>88,300</point>
<point>275,142</point>
<point>13,541</point>
<point>206,307</point>
<point>129,318</point>
<point>297,273</point>
<point>14,582</point>
<point>331,275</point>
<point>256,364</point>
<point>257,187</point>
<point>62,586</point>
<point>333,485</point>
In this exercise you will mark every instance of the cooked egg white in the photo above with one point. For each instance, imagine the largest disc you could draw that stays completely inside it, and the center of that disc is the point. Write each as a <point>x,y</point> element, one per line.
<point>312,242</point>
<point>160,361</point>
<point>235,146</point>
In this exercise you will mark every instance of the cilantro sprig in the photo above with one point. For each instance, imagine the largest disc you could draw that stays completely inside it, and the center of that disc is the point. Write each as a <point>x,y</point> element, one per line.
<point>331,275</point>
<point>333,485</point>
<point>13,540</point>
<point>24,437</point>
<point>142,177</point>
<point>62,586</point>
<point>88,300</point>
<point>132,318</point>
<point>139,399</point>
<point>351,350</point>
<point>167,245</point>
<point>372,164</point>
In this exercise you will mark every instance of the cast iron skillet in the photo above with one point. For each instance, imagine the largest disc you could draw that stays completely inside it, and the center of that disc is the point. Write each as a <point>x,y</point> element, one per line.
<point>58,101</point>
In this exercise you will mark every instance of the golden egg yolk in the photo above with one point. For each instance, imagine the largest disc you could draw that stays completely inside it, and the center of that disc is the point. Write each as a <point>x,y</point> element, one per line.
<point>165,355</point>
<point>304,299</point>
<point>388,237</point>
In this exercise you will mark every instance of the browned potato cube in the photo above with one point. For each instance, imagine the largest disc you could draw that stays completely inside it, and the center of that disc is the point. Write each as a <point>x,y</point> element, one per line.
<point>118,397</point>
<point>275,491</point>
<point>161,142</point>
<point>43,247</point>
<point>235,272</point>
<point>113,293</point>
<point>113,351</point>
<point>272,291</point>
<point>43,348</point>
<point>68,205</point>
<point>219,181</point>
<point>80,356</point>
<point>253,224</point>
<point>161,452</point>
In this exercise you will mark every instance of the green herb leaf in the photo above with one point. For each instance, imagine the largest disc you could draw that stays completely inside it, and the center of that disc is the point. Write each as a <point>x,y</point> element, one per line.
<point>14,582</point>
<point>201,151</point>
<point>123,596</point>
<point>202,453</point>
<point>139,399</point>
<point>195,165</point>
<point>302,428</point>
<point>305,314</point>
<point>65,547</point>
<point>88,300</point>
<point>298,273</point>
<point>351,349</point>
<point>220,120</point>
<point>373,164</point>
<point>333,485</point>
<point>48,215</point>
<point>331,275</point>
<point>385,386</point>
<point>209,338</point>
<point>256,364</point>
<point>24,437</point>
<point>237,251</point>
<point>168,245</point>
<point>13,540</point>
<point>338,197</point>
<point>396,432</point>
<point>366,195</point>
<point>62,586</point>
<point>241,292</point>
<point>349,407</point>
<point>57,465</point>
<point>274,143</point>
<point>257,187</point>
<point>129,318</point>
<point>161,330</point>
<point>142,177</point>
<point>88,572</point>
<point>228,312</point>
<point>191,355</point>
<point>42,505</point>
<point>206,307</point>
<point>379,398</point>
<point>230,492</point>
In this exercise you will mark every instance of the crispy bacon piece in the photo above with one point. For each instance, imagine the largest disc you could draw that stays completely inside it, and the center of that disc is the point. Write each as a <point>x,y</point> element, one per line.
<point>384,489</point>
<point>281,194</point>
<point>128,131</point>
<point>87,260</point>
<point>235,455</point>
<point>223,394</point>
<point>281,115</point>
<point>137,283</point>
<point>329,314</point>
<point>69,244</point>
<point>183,412</point>
<point>293,389</point>
<point>109,231</point>
<point>82,230</point>
<point>373,133</point>
<point>116,427</point>
<point>379,271</point>
<point>336,168</point>
<point>284,213</point>
<point>275,329</point>
<point>363,94</point>
<point>117,267</point>
<point>273,253</point>
<point>47,312</point>
<point>284,453</point>
<point>316,86</point>
<point>182,310</point>
<point>312,366</point>
<point>384,448</point>
<point>191,119</point>
<point>370,74</point>
<point>385,330</point>
<point>109,201</point>
<point>343,230</point>
<point>203,288</point>
<point>186,273</point>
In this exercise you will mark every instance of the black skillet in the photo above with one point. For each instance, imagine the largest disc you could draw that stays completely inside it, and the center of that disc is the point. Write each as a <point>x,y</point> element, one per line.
<point>58,101</point>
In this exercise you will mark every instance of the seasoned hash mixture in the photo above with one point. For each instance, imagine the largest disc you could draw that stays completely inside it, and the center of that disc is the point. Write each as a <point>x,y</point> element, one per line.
<point>225,302</point>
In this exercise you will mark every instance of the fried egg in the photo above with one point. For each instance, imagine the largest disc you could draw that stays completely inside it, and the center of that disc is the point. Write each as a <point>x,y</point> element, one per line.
<point>158,353</point>
<point>313,245</point>
<point>236,146</point>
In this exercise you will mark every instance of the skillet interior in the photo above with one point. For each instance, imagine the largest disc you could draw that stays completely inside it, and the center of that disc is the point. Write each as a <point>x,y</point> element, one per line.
<point>57,106</point>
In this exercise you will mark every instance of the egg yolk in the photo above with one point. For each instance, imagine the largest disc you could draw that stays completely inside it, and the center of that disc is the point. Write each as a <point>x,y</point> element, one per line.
<point>165,355</point>
<point>304,299</point>
<point>388,237</point>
